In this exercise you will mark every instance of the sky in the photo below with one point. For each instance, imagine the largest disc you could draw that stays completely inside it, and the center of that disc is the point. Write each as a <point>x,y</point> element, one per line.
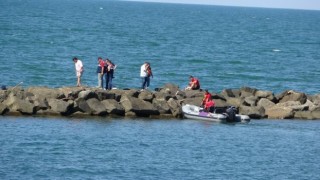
<point>287,4</point>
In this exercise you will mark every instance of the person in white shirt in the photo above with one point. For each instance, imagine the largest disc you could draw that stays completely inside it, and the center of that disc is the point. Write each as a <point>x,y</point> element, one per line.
<point>145,74</point>
<point>79,69</point>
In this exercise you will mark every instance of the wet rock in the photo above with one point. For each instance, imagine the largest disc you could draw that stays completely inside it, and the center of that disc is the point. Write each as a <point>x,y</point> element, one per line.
<point>252,112</point>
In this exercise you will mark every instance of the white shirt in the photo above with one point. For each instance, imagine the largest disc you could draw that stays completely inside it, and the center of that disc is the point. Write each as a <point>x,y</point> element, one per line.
<point>78,65</point>
<point>143,71</point>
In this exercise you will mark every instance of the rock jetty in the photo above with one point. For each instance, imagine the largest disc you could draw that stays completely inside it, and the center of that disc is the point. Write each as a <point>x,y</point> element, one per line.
<point>163,102</point>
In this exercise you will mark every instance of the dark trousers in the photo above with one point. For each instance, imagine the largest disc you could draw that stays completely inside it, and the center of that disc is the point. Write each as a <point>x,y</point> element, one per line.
<point>145,82</point>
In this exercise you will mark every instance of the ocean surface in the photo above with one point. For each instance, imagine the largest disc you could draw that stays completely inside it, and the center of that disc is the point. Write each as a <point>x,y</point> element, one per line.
<point>50,148</point>
<point>225,47</point>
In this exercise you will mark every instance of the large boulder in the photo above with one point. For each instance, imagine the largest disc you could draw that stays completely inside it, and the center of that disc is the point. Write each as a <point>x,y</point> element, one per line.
<point>87,94</point>
<point>292,96</point>
<point>21,105</point>
<point>170,89</point>
<point>250,101</point>
<point>236,102</point>
<point>138,106</point>
<point>3,109</point>
<point>97,108</point>
<point>265,103</point>
<point>252,112</point>
<point>279,112</point>
<point>247,91</point>
<point>175,107</point>
<point>231,93</point>
<point>162,106</point>
<point>146,96</point>
<point>60,106</point>
<point>113,107</point>
<point>102,95</point>
<point>265,94</point>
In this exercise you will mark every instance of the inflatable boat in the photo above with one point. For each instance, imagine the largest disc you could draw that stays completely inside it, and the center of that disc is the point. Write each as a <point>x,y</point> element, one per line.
<point>197,113</point>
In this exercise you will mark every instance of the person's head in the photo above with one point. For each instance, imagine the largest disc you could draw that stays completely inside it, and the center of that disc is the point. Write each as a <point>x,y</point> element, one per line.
<point>75,59</point>
<point>206,91</point>
<point>190,77</point>
<point>100,59</point>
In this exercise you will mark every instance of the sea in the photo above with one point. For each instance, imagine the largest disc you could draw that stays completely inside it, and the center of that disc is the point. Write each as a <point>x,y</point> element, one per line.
<point>224,47</point>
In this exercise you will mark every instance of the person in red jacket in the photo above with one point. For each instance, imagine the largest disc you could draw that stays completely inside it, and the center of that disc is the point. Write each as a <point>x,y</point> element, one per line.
<point>209,106</point>
<point>207,97</point>
<point>194,84</point>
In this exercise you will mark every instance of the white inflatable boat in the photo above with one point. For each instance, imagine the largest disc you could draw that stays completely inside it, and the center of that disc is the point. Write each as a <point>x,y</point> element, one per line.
<point>196,112</point>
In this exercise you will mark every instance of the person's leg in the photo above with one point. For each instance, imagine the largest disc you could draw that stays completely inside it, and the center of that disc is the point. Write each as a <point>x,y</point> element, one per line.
<point>99,80</point>
<point>110,82</point>
<point>78,79</point>
<point>143,79</point>
<point>107,80</point>
<point>148,82</point>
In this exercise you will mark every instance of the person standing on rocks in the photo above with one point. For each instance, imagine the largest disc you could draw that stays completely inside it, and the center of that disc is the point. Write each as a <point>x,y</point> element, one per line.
<point>110,67</point>
<point>79,69</point>
<point>145,74</point>
<point>100,71</point>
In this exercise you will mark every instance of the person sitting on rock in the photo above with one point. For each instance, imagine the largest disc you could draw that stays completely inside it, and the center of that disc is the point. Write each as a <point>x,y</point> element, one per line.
<point>194,84</point>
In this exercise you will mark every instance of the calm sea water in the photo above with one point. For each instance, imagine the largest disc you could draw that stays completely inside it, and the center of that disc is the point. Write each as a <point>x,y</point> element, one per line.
<point>225,47</point>
<point>50,148</point>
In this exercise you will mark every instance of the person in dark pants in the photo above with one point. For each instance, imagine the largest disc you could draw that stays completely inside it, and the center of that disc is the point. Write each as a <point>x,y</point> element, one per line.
<point>110,67</point>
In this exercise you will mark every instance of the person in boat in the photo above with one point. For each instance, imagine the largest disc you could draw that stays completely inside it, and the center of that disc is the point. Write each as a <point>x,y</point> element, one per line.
<point>209,105</point>
<point>207,97</point>
<point>194,84</point>
<point>100,72</point>
<point>110,67</point>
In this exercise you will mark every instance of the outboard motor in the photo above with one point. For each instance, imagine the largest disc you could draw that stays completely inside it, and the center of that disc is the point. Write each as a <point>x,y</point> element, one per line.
<point>231,114</point>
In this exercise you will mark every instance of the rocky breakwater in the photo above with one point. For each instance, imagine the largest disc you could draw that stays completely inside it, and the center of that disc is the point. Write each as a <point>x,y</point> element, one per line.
<point>164,102</point>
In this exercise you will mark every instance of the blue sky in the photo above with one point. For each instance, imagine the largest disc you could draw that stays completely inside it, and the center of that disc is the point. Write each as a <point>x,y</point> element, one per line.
<point>291,4</point>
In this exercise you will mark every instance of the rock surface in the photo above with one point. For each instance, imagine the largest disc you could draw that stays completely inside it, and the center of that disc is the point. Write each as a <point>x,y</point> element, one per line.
<point>163,102</point>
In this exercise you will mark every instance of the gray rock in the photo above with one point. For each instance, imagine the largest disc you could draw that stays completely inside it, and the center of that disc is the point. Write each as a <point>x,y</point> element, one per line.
<point>265,103</point>
<point>236,102</point>
<point>162,106</point>
<point>250,101</point>
<point>252,112</point>
<point>97,108</point>
<point>138,106</point>
<point>146,96</point>
<point>102,95</point>
<point>228,93</point>
<point>293,96</point>
<point>16,104</point>
<point>60,106</point>
<point>3,109</point>
<point>113,107</point>
<point>265,94</point>
<point>279,112</point>
<point>87,94</point>
<point>169,88</point>
<point>175,107</point>
<point>247,91</point>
